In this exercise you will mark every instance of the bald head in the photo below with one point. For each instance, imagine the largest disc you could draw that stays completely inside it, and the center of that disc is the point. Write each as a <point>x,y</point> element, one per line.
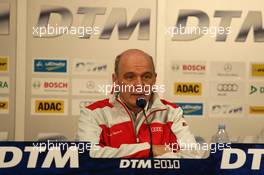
<point>132,54</point>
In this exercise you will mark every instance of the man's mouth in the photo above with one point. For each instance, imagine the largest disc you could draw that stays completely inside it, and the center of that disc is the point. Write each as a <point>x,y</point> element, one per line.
<point>138,94</point>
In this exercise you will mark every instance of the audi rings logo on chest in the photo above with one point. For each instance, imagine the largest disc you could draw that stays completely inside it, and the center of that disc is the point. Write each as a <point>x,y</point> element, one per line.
<point>228,87</point>
<point>156,129</point>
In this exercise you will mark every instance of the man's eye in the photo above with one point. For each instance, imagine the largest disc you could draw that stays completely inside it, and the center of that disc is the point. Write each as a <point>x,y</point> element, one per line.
<point>129,77</point>
<point>146,77</point>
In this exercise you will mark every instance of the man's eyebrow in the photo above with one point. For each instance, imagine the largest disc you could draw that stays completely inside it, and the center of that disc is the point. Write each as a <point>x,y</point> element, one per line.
<point>129,73</point>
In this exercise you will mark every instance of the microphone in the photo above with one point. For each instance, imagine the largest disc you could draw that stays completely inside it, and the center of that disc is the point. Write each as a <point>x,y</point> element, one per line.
<point>141,103</point>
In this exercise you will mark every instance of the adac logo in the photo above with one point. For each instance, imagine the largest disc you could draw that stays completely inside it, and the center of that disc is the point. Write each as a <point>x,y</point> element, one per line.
<point>49,106</point>
<point>191,108</point>
<point>3,84</point>
<point>3,64</point>
<point>41,65</point>
<point>256,109</point>
<point>3,105</point>
<point>188,88</point>
<point>257,70</point>
<point>255,89</point>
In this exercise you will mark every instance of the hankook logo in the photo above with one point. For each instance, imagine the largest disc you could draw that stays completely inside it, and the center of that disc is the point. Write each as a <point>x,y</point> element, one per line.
<point>232,87</point>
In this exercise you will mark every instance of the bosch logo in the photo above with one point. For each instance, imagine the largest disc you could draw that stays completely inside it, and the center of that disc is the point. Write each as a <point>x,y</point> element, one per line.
<point>55,85</point>
<point>227,87</point>
<point>193,67</point>
<point>228,67</point>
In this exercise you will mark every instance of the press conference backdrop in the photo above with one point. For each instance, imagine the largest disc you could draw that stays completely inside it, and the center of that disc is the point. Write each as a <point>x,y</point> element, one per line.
<point>7,68</point>
<point>217,78</point>
<point>86,61</point>
<point>213,78</point>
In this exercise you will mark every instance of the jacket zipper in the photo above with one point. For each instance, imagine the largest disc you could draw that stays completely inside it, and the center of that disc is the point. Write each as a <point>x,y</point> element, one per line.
<point>131,119</point>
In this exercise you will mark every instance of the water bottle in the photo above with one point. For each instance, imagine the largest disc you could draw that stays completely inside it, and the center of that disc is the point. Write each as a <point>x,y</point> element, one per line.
<point>221,136</point>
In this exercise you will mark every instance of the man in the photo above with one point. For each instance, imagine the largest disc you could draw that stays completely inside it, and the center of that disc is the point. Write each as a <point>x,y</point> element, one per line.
<point>119,126</point>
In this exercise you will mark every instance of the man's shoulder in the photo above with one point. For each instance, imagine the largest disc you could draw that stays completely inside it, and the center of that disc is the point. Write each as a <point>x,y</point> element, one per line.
<point>99,104</point>
<point>168,103</point>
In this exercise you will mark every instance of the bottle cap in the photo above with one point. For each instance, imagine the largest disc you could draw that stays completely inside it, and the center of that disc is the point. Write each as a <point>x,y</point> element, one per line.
<point>221,126</point>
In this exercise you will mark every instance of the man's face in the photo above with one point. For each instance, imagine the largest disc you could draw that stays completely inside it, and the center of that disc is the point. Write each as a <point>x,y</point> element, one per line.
<point>136,75</point>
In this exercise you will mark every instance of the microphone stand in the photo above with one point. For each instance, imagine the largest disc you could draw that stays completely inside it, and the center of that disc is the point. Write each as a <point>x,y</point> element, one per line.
<point>150,135</point>
<point>141,103</point>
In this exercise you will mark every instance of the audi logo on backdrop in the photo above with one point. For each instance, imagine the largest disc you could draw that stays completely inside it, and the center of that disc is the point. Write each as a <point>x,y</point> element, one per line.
<point>227,87</point>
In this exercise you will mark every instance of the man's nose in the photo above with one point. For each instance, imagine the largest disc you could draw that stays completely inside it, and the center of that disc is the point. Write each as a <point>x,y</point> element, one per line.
<point>138,81</point>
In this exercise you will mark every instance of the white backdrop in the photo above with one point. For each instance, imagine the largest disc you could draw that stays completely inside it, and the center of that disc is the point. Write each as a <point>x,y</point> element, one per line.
<point>87,62</point>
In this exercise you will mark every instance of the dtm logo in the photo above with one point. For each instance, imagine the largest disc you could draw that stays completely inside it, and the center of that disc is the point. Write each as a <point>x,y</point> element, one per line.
<point>4,18</point>
<point>88,16</point>
<point>232,87</point>
<point>41,65</point>
<point>226,109</point>
<point>188,89</point>
<point>90,67</point>
<point>49,106</point>
<point>145,164</point>
<point>235,158</point>
<point>191,108</point>
<point>253,20</point>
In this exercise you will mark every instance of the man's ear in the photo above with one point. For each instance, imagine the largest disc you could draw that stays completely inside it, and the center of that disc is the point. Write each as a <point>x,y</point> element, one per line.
<point>114,78</point>
<point>155,77</point>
